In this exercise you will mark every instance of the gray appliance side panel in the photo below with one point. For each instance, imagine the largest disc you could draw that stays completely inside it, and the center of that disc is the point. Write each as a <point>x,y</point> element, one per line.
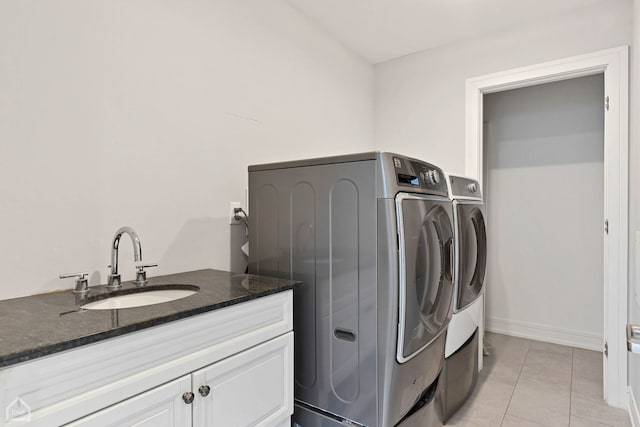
<point>399,385</point>
<point>304,256</point>
<point>318,224</point>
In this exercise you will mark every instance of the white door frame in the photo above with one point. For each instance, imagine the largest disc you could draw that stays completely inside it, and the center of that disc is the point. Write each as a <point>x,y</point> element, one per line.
<point>614,64</point>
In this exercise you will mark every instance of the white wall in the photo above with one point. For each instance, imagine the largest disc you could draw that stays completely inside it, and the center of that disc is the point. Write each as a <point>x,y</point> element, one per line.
<point>147,113</point>
<point>634,198</point>
<point>419,101</point>
<point>544,153</point>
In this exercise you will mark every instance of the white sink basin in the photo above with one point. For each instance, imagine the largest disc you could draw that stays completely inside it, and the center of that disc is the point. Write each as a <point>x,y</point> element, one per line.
<point>139,299</point>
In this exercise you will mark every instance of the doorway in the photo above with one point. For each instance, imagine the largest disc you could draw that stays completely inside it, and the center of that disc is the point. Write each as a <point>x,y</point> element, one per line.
<point>613,66</point>
<point>544,196</point>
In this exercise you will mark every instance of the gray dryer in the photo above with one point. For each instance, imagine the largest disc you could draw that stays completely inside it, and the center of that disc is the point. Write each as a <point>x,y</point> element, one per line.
<point>463,348</point>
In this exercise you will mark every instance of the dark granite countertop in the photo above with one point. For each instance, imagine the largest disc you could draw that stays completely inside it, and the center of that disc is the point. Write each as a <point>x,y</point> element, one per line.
<point>39,325</point>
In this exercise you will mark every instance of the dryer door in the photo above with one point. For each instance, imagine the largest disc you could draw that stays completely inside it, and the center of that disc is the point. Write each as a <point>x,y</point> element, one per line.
<point>426,287</point>
<point>471,259</point>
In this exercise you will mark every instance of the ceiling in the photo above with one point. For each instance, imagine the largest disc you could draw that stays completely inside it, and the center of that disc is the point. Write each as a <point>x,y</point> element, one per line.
<point>379,30</point>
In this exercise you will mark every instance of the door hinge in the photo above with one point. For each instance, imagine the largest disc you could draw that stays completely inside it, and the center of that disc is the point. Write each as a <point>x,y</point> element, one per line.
<point>606,349</point>
<point>606,103</point>
<point>606,226</point>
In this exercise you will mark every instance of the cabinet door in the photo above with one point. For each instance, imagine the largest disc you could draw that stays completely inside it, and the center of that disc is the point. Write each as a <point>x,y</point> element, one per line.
<point>162,406</point>
<point>252,388</point>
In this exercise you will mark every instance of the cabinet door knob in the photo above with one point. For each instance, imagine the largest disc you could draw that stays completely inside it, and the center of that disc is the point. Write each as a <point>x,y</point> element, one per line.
<point>204,390</point>
<point>188,397</point>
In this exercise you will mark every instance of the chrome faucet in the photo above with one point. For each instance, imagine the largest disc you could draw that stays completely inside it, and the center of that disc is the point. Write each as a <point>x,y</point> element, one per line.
<point>114,277</point>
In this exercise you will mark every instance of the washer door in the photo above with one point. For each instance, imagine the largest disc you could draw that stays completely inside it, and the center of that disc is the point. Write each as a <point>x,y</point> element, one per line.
<point>426,287</point>
<point>471,251</point>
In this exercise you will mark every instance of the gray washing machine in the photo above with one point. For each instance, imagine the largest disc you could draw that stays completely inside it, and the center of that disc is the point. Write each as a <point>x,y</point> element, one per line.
<point>464,335</point>
<point>371,237</point>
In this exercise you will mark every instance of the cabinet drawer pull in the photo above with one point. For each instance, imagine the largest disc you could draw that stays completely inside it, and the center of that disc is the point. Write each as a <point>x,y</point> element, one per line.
<point>204,390</point>
<point>188,397</point>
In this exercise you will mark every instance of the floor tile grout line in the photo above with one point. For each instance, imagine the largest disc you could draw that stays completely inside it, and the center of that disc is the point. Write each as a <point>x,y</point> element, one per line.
<point>592,421</point>
<point>516,384</point>
<point>571,385</point>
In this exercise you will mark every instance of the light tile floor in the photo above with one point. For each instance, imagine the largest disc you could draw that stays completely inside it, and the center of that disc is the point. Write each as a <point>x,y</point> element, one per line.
<point>528,383</point>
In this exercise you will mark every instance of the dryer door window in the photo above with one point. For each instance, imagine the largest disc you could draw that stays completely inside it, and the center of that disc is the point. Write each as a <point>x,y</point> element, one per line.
<point>426,245</point>
<point>472,253</point>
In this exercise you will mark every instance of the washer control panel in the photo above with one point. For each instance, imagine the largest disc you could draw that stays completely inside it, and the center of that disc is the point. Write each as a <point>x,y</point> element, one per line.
<point>417,174</point>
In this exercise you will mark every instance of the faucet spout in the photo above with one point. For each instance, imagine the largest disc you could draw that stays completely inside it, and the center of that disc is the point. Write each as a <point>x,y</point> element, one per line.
<point>114,277</point>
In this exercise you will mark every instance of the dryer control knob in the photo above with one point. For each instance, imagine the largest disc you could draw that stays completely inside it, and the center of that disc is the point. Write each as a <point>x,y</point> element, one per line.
<point>472,187</point>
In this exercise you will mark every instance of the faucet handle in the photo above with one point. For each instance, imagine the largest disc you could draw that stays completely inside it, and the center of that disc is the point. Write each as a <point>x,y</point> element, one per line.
<point>78,275</point>
<point>113,280</point>
<point>82,283</point>
<point>141,275</point>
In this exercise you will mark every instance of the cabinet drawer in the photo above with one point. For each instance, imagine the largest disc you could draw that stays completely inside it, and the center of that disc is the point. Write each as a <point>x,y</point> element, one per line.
<point>252,388</point>
<point>160,407</point>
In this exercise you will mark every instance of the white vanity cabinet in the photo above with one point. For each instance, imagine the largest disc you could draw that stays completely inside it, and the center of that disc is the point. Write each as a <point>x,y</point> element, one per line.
<point>252,388</point>
<point>235,362</point>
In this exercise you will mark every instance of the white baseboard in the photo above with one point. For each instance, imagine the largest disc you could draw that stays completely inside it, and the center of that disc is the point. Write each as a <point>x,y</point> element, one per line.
<point>634,413</point>
<point>545,333</point>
